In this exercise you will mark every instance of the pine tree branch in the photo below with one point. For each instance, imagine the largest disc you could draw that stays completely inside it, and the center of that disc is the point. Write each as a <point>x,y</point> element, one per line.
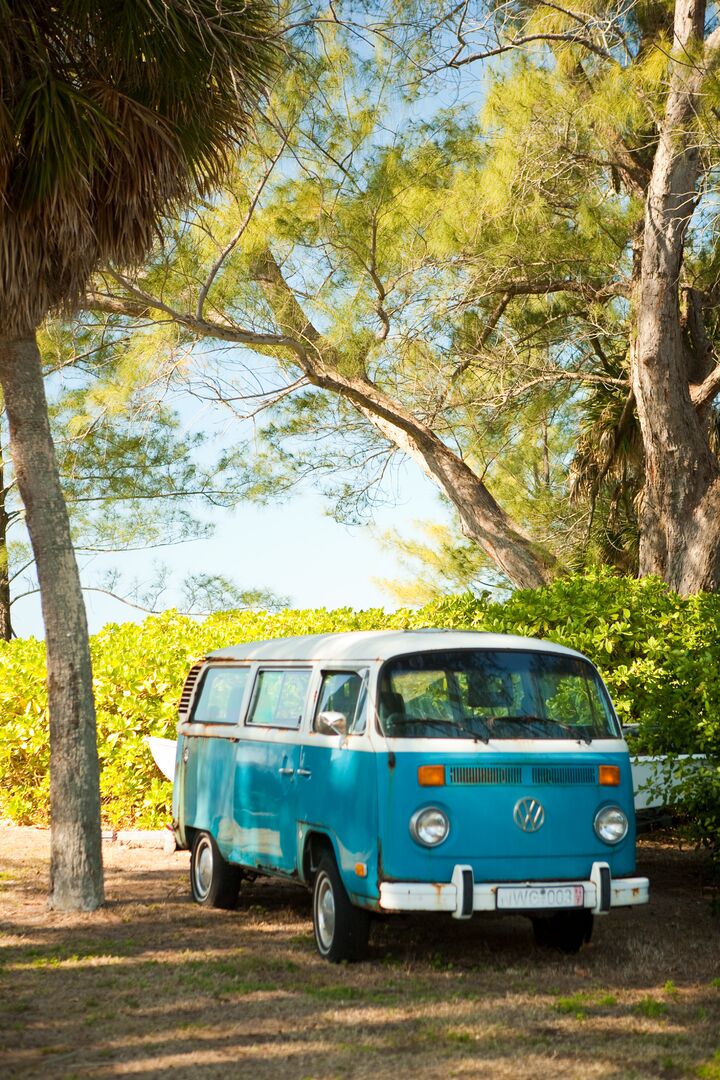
<point>569,38</point>
<point>141,305</point>
<point>236,238</point>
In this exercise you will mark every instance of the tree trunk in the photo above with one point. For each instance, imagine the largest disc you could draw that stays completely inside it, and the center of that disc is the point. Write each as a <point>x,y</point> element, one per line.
<point>680,510</point>
<point>76,878</point>
<point>6,631</point>
<point>524,563</point>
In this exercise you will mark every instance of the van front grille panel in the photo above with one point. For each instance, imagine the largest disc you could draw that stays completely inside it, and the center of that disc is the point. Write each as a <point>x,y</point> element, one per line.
<point>564,774</point>
<point>485,774</point>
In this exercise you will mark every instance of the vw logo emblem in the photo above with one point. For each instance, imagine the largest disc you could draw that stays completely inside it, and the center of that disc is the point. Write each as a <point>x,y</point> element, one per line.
<point>528,814</point>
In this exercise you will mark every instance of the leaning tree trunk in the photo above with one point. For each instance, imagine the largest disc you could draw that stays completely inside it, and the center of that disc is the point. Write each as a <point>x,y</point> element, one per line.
<point>526,564</point>
<point>680,510</point>
<point>76,878</point>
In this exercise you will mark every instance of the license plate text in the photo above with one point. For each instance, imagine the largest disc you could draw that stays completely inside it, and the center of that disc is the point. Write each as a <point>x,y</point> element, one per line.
<point>521,897</point>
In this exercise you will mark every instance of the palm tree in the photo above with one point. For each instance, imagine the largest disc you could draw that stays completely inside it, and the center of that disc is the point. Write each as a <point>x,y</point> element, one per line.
<point>607,474</point>
<point>110,114</point>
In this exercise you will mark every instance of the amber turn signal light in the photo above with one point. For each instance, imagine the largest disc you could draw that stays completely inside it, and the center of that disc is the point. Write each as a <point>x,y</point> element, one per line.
<point>431,775</point>
<point>609,775</point>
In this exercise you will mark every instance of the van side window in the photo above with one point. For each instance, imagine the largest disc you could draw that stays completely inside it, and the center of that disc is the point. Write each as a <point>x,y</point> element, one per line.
<point>221,696</point>
<point>340,703</point>
<point>279,698</point>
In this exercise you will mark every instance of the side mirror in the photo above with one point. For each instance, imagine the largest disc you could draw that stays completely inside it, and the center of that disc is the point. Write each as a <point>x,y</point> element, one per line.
<point>331,723</point>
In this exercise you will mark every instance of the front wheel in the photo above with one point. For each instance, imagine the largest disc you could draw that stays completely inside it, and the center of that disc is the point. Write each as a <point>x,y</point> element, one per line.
<point>213,881</point>
<point>567,930</point>
<point>341,929</point>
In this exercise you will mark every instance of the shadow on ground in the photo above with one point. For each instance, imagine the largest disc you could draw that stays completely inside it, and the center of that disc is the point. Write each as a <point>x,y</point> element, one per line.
<point>152,986</point>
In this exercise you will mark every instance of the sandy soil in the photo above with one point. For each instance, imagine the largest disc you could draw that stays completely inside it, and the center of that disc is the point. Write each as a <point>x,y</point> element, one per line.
<point>153,986</point>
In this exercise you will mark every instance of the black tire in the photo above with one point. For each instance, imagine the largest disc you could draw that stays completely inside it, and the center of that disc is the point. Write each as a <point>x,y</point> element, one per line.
<point>567,931</point>
<point>341,929</point>
<point>213,881</point>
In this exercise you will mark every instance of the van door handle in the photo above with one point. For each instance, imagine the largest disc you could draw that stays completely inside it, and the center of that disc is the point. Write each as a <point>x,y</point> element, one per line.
<point>304,772</point>
<point>286,772</point>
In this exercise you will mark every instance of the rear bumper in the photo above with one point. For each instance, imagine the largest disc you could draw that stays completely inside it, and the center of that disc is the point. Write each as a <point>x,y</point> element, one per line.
<point>462,895</point>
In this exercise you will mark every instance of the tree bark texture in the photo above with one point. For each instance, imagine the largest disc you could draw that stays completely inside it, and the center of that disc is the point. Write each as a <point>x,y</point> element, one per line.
<point>680,510</point>
<point>76,878</point>
<point>5,618</point>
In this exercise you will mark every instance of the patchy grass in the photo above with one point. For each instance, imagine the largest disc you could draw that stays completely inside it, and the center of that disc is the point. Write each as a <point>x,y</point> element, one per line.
<point>710,1070</point>
<point>650,1007</point>
<point>153,986</point>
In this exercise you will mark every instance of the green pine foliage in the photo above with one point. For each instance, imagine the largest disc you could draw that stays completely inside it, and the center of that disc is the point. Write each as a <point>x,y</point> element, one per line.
<point>659,654</point>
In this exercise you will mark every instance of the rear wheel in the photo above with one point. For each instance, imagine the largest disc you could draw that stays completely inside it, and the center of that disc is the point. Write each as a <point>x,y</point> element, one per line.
<point>213,881</point>
<point>567,930</point>
<point>341,929</point>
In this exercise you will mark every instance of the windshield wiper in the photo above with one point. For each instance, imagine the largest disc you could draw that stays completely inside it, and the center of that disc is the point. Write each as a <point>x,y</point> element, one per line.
<point>440,722</point>
<point>547,721</point>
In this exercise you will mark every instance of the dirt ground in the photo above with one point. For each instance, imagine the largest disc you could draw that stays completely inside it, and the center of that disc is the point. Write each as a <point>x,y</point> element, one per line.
<point>153,986</point>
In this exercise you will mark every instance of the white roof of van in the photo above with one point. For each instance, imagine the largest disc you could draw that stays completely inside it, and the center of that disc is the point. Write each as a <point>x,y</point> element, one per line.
<point>379,645</point>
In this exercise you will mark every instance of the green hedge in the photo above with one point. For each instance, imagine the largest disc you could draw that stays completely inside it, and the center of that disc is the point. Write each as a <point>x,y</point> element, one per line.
<point>659,654</point>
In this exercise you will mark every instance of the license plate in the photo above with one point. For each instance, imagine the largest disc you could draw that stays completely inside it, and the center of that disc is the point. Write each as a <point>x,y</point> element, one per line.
<point>523,897</point>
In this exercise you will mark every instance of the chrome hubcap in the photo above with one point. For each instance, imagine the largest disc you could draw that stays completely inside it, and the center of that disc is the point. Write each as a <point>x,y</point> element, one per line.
<point>203,869</point>
<point>325,909</point>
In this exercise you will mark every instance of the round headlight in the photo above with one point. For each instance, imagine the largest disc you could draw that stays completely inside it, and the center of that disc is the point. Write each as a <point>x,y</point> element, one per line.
<point>429,826</point>
<point>611,824</point>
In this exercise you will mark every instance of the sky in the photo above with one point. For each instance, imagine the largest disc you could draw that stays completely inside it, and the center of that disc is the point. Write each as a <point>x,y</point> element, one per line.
<point>294,549</point>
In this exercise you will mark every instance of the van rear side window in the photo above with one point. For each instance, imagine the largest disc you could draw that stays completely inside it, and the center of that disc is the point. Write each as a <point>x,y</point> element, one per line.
<point>221,695</point>
<point>279,698</point>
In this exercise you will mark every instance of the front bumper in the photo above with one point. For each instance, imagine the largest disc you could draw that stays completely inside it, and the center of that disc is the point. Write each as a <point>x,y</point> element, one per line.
<point>462,895</point>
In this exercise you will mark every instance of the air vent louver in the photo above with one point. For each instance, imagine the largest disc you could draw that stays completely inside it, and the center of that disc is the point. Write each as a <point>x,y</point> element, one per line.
<point>564,774</point>
<point>187,691</point>
<point>484,774</point>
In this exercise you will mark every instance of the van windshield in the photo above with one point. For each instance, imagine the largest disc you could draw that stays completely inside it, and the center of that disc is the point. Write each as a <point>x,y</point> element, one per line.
<point>483,694</point>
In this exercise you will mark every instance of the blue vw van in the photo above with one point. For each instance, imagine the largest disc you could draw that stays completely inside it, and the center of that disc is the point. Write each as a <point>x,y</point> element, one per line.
<point>397,771</point>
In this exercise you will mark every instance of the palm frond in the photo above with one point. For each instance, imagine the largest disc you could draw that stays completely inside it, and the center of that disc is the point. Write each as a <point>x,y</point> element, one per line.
<point>111,114</point>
